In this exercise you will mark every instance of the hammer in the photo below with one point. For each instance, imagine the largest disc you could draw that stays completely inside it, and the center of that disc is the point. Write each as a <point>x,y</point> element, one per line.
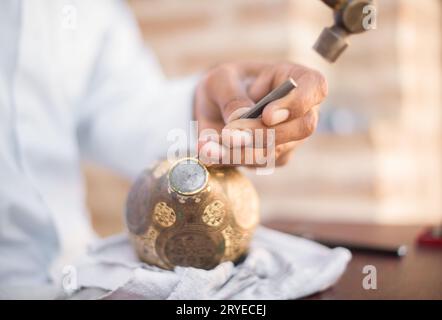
<point>351,17</point>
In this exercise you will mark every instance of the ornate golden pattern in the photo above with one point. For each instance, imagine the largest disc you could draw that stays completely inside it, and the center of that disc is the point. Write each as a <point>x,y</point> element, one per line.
<point>150,237</point>
<point>190,249</point>
<point>214,213</point>
<point>233,242</point>
<point>145,244</point>
<point>164,215</point>
<point>199,230</point>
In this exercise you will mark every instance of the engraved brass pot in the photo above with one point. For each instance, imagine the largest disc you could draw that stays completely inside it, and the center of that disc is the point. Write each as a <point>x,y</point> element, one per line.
<point>185,214</point>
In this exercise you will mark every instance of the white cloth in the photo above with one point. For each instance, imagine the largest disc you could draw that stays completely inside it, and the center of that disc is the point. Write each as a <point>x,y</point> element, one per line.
<point>278,266</point>
<point>75,82</point>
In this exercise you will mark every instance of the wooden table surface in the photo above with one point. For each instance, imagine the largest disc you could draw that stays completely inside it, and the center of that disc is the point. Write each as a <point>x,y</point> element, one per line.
<point>418,275</point>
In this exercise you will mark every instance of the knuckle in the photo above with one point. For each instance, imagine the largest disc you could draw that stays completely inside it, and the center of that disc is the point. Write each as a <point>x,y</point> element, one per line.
<point>322,85</point>
<point>283,160</point>
<point>309,124</point>
<point>279,150</point>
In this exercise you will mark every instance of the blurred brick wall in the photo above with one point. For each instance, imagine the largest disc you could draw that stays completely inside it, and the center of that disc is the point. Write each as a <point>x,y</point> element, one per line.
<point>383,168</point>
<point>388,168</point>
<point>196,34</point>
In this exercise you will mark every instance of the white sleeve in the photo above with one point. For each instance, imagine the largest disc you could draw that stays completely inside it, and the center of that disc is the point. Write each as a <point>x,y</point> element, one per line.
<point>129,107</point>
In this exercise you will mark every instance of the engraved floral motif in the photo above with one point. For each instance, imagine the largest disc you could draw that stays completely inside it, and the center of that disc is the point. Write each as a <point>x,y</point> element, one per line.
<point>233,242</point>
<point>214,213</point>
<point>164,214</point>
<point>199,230</point>
<point>150,237</point>
<point>191,249</point>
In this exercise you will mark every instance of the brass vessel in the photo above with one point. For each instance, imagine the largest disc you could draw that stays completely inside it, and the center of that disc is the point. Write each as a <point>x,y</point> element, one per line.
<point>185,214</point>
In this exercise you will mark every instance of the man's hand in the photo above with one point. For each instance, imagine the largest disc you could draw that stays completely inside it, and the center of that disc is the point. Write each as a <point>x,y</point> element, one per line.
<point>229,90</point>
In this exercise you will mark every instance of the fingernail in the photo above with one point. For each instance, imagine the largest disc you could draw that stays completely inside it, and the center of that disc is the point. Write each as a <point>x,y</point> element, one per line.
<point>279,116</point>
<point>234,138</point>
<point>237,114</point>
<point>246,138</point>
<point>212,152</point>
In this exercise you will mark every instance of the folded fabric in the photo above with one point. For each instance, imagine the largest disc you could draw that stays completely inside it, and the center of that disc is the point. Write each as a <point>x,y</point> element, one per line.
<point>278,266</point>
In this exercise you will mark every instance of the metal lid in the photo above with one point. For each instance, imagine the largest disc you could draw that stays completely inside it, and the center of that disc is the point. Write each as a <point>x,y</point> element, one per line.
<point>188,176</point>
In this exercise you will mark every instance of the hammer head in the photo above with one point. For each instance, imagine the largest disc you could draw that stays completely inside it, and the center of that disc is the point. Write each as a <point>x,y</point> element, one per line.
<point>351,17</point>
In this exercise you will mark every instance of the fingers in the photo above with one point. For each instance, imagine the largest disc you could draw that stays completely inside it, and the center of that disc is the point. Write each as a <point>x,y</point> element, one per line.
<point>283,159</point>
<point>214,154</point>
<point>235,115</point>
<point>311,91</point>
<point>227,89</point>
<point>286,152</point>
<point>293,130</point>
<point>271,76</point>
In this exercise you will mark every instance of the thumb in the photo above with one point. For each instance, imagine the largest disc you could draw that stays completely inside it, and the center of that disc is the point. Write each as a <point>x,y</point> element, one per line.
<point>228,91</point>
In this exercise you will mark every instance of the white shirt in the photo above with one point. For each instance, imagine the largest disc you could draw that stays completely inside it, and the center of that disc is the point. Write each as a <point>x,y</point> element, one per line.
<point>84,87</point>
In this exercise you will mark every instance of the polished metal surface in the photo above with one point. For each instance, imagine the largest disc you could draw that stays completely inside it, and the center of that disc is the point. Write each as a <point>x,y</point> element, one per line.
<point>331,44</point>
<point>176,217</point>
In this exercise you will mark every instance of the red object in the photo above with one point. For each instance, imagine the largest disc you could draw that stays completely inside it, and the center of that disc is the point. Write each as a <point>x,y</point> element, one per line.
<point>430,238</point>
